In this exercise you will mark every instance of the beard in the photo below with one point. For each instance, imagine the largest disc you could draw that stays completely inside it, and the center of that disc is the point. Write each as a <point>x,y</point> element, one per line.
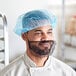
<point>41,51</point>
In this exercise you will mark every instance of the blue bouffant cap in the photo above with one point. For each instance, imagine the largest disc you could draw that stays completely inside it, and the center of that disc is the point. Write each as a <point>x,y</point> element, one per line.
<point>34,19</point>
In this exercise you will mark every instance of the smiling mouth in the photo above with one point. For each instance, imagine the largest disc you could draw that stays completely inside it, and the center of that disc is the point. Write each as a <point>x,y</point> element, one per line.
<point>44,44</point>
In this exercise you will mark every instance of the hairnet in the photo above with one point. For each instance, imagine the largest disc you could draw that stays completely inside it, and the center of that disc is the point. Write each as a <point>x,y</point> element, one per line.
<point>34,19</point>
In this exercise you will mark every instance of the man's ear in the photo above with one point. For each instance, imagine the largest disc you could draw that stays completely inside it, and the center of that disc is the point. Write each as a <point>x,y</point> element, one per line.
<point>24,36</point>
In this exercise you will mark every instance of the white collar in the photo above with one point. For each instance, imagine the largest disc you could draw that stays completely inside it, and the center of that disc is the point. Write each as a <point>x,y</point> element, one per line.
<point>31,64</point>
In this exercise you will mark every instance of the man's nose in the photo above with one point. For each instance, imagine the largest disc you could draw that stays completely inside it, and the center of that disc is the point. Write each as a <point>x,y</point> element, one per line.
<point>44,37</point>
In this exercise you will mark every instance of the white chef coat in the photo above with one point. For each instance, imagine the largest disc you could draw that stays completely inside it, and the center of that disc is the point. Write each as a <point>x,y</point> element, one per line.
<point>24,66</point>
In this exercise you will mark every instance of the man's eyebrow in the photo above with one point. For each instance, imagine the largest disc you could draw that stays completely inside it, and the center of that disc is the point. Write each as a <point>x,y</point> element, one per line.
<point>50,29</point>
<point>37,30</point>
<point>41,30</point>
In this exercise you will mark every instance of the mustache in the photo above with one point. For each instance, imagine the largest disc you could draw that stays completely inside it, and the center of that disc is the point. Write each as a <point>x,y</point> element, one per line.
<point>45,41</point>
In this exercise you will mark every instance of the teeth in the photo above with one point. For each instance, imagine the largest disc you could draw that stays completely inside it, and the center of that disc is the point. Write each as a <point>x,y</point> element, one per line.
<point>45,44</point>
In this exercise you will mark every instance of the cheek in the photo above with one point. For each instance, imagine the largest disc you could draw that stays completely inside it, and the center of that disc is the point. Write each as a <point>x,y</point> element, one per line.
<point>33,38</point>
<point>34,44</point>
<point>51,37</point>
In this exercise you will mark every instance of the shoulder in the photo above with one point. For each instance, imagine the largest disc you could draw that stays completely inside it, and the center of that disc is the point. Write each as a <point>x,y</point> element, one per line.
<point>57,64</point>
<point>15,64</point>
<point>60,64</point>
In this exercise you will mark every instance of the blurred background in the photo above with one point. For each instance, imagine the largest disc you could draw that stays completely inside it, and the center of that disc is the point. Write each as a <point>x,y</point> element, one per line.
<point>12,46</point>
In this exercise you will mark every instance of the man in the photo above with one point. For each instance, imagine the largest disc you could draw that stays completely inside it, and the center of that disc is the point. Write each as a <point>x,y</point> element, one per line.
<point>36,29</point>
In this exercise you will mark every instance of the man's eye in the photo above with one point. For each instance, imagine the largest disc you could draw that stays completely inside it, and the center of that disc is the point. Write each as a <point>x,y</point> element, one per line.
<point>49,32</point>
<point>38,33</point>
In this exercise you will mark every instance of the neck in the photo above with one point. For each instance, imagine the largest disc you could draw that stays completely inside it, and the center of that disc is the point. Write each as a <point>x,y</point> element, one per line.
<point>39,60</point>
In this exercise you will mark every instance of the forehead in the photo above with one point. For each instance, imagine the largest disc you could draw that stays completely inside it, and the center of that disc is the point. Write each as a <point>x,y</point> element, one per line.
<point>43,28</point>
